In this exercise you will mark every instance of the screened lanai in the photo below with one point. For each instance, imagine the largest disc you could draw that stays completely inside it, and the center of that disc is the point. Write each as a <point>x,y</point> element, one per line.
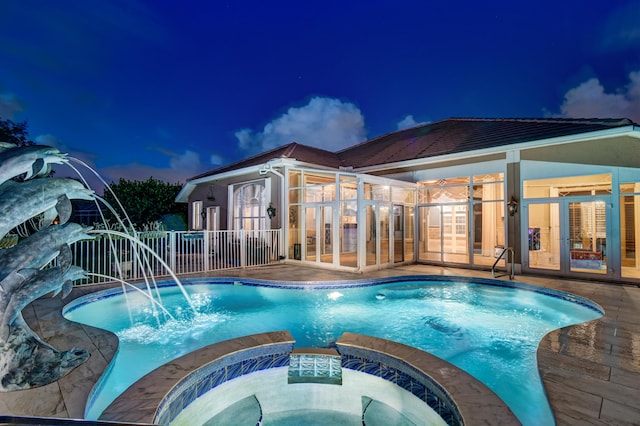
<point>348,220</point>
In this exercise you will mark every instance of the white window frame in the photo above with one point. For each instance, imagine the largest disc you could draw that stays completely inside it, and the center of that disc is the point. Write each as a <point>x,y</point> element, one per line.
<point>262,216</point>
<point>196,216</point>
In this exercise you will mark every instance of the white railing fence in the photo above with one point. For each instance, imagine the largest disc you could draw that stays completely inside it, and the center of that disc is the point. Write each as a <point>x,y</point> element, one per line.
<point>183,252</point>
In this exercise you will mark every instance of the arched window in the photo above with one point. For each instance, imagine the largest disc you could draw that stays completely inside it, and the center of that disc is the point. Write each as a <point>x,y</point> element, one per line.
<point>250,206</point>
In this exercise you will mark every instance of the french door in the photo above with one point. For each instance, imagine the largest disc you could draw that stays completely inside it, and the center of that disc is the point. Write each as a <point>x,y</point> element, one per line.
<point>568,235</point>
<point>444,233</point>
<point>318,245</point>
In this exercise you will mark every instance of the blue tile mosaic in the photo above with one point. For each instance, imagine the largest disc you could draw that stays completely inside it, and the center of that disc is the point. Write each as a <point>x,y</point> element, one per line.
<point>234,370</point>
<point>188,396</point>
<point>418,389</point>
<point>404,381</point>
<point>237,357</point>
<point>202,380</point>
<point>218,377</point>
<point>353,363</point>
<point>264,363</point>
<point>432,399</point>
<point>164,419</point>
<point>388,373</point>
<point>404,375</point>
<point>204,386</point>
<point>250,365</point>
<point>175,407</point>
<point>281,360</point>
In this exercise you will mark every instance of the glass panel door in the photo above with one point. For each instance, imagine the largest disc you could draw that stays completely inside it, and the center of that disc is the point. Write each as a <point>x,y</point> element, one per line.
<point>311,234</point>
<point>543,236</point>
<point>348,234</point>
<point>409,233</point>
<point>326,230</point>
<point>430,233</point>
<point>567,235</point>
<point>455,242</point>
<point>630,234</point>
<point>385,252</point>
<point>588,236</point>
<point>319,234</point>
<point>371,232</point>
<point>378,233</point>
<point>398,234</point>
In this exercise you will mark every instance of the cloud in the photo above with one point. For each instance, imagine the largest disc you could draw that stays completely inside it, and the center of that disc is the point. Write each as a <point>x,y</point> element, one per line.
<point>51,140</point>
<point>9,106</point>
<point>409,122</point>
<point>85,166</point>
<point>86,157</point>
<point>190,160</point>
<point>324,123</point>
<point>590,100</point>
<point>216,160</point>
<point>180,167</point>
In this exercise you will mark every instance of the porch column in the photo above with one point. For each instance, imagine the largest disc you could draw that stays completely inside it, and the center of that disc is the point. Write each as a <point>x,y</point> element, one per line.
<point>514,226</point>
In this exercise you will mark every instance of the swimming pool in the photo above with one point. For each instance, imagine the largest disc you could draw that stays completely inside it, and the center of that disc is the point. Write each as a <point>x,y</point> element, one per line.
<point>489,328</point>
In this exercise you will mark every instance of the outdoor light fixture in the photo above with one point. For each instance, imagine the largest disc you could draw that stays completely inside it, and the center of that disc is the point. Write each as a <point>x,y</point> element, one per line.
<point>271,211</point>
<point>203,213</point>
<point>512,206</point>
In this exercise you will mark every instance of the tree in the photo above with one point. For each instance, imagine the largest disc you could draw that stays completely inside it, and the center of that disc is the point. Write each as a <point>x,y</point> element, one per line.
<point>145,201</point>
<point>14,132</point>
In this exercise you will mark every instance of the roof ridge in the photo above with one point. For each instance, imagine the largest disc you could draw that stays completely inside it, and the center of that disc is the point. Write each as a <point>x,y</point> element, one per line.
<point>289,148</point>
<point>585,120</point>
<point>245,160</point>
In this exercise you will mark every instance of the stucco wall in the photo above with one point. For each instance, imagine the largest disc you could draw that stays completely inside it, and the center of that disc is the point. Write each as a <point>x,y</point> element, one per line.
<point>623,151</point>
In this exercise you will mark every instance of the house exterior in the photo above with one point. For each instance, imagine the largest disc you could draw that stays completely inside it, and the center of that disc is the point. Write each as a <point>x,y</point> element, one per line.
<point>562,195</point>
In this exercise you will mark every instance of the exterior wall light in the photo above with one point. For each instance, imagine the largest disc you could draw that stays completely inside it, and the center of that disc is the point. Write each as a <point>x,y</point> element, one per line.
<point>512,206</point>
<point>271,211</point>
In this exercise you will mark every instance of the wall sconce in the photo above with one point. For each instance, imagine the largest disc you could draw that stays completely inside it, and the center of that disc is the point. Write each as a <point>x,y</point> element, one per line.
<point>203,214</point>
<point>271,211</point>
<point>512,206</point>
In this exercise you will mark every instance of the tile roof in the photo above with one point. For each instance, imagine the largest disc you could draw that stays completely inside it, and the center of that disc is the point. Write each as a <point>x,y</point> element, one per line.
<point>457,135</point>
<point>450,136</point>
<point>294,150</point>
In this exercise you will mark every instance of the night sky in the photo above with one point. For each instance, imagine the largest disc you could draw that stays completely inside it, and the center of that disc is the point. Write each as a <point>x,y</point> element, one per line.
<point>170,89</point>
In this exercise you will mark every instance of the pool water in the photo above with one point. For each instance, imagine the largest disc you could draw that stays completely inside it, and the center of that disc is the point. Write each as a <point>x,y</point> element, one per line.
<point>312,418</point>
<point>490,331</point>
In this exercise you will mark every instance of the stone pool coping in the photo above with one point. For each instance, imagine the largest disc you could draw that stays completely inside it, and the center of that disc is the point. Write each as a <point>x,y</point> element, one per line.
<point>475,402</point>
<point>162,393</point>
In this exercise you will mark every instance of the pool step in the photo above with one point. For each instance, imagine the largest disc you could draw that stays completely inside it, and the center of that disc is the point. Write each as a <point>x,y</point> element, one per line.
<point>315,365</point>
<point>247,411</point>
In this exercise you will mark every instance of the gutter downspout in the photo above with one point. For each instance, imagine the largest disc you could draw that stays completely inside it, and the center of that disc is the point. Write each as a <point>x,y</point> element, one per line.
<point>268,167</point>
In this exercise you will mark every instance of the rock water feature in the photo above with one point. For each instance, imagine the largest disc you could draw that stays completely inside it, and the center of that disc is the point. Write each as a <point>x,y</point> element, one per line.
<point>43,204</point>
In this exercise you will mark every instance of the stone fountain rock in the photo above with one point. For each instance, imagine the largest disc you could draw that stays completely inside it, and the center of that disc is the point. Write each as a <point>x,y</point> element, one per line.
<point>26,269</point>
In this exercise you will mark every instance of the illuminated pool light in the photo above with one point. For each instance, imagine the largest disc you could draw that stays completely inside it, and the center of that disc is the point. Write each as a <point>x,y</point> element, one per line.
<point>335,295</point>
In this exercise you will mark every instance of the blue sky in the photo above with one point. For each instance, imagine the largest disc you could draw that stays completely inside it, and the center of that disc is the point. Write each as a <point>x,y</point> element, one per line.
<point>171,89</point>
